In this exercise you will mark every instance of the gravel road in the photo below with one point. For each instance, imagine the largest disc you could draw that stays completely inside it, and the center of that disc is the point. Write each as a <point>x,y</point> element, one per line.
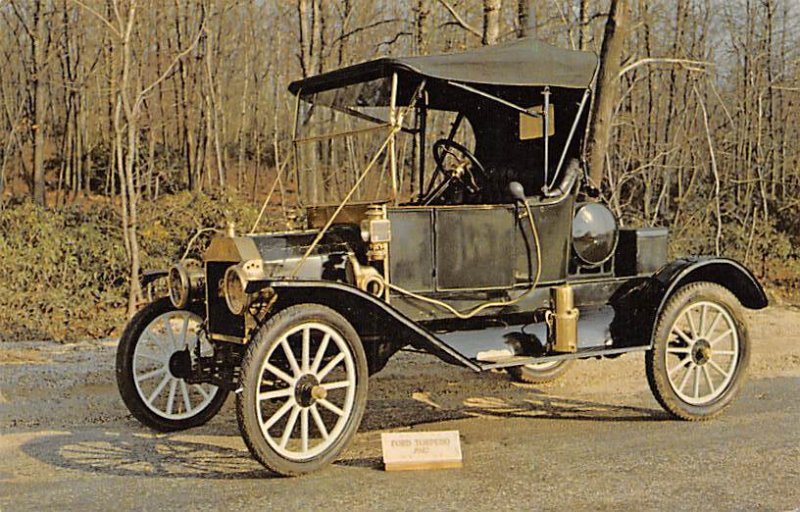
<point>594,440</point>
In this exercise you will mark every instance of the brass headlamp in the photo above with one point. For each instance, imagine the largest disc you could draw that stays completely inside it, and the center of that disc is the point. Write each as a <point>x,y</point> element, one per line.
<point>186,283</point>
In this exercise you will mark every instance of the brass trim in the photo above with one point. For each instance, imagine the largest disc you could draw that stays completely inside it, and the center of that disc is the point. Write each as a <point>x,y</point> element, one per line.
<point>227,338</point>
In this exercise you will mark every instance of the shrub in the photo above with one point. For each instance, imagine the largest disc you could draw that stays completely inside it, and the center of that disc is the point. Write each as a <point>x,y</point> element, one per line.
<point>65,272</point>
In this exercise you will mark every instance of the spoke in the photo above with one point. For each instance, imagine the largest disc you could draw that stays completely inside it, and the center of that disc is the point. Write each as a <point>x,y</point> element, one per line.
<point>279,373</point>
<point>724,352</point>
<point>330,366</point>
<point>336,385</point>
<point>173,387</point>
<point>685,378</point>
<point>150,375</point>
<point>202,391</point>
<point>691,323</point>
<point>185,392</point>
<point>287,432</point>
<point>278,393</point>
<point>703,319</point>
<point>717,367</point>
<point>678,350</point>
<point>159,342</point>
<point>158,389</point>
<point>718,338</point>
<point>168,327</point>
<point>713,325</point>
<point>697,382</point>
<point>679,365</point>
<point>149,355</point>
<point>318,422</point>
<point>280,413</point>
<point>304,429</point>
<point>711,388</point>
<point>290,357</point>
<point>683,335</point>
<point>323,346</point>
<point>304,361</point>
<point>326,404</point>
<point>185,328</point>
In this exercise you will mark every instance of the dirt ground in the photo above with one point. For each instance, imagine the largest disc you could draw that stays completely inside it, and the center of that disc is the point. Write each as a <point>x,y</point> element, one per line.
<point>63,424</point>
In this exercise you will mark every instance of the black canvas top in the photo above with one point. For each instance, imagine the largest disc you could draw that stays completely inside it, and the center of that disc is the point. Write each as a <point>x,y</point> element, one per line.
<point>522,62</point>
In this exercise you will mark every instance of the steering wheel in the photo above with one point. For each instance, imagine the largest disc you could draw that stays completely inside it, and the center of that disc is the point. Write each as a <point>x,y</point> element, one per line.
<point>461,168</point>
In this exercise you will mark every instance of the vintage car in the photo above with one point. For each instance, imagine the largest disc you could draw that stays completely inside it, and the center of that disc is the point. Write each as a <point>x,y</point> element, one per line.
<point>502,257</point>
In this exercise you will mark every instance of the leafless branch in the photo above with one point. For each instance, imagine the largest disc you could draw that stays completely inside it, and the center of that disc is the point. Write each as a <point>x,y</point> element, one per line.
<point>461,22</point>
<point>691,65</point>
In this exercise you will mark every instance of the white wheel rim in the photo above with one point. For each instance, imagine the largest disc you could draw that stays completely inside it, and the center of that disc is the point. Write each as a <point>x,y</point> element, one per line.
<point>702,352</point>
<point>306,359</point>
<point>162,392</point>
<point>541,367</point>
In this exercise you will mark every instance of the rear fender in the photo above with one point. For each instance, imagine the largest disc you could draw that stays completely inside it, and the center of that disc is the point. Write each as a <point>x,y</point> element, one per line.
<point>638,308</point>
<point>383,328</point>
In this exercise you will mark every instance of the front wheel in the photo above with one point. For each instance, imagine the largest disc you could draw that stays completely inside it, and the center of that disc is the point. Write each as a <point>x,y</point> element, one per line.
<point>153,363</point>
<point>304,389</point>
<point>700,352</point>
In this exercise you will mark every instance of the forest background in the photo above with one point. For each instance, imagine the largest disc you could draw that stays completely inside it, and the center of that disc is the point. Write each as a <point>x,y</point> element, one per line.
<point>127,126</point>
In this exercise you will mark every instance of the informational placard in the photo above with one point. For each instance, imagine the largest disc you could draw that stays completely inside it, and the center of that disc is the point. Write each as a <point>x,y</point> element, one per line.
<point>404,451</point>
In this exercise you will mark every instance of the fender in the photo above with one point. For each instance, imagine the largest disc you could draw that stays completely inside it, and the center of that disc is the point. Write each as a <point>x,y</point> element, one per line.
<point>639,307</point>
<point>149,276</point>
<point>725,272</point>
<point>369,314</point>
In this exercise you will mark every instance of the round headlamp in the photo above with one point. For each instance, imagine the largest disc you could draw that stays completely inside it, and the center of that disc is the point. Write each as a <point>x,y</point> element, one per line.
<point>594,233</point>
<point>178,282</point>
<point>234,286</point>
<point>185,282</point>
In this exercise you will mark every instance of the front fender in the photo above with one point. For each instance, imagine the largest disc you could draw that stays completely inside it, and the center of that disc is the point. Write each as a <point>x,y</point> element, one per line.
<point>639,307</point>
<point>370,316</point>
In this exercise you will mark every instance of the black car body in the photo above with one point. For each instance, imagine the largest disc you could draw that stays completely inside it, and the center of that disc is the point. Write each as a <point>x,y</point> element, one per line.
<point>501,259</point>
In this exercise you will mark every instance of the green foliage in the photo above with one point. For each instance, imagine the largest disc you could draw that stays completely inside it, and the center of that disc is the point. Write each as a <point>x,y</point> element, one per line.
<point>62,272</point>
<point>65,272</point>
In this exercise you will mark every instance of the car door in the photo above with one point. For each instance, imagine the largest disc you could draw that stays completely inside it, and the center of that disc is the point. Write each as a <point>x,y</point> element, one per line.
<point>474,247</point>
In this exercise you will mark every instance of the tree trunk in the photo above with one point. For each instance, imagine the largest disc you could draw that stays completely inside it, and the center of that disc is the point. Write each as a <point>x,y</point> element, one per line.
<point>37,85</point>
<point>491,21</point>
<point>606,90</point>
<point>423,12</point>
<point>585,25</point>
<point>523,18</point>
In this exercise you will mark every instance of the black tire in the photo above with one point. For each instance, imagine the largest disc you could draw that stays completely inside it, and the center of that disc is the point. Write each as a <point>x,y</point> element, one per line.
<point>300,389</point>
<point>540,374</point>
<point>132,394</point>
<point>665,368</point>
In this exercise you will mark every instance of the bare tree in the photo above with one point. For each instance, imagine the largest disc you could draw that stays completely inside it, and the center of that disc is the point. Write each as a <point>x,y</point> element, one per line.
<point>34,25</point>
<point>491,21</point>
<point>606,90</point>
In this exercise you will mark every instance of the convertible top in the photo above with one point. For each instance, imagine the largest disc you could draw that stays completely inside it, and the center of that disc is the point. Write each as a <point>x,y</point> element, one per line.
<point>522,62</point>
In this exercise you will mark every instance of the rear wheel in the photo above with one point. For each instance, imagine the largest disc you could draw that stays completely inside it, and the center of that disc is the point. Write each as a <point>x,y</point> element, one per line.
<point>153,364</point>
<point>304,388</point>
<point>540,373</point>
<point>700,352</point>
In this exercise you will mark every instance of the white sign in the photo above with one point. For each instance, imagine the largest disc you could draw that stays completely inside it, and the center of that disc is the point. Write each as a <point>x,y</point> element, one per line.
<point>421,450</point>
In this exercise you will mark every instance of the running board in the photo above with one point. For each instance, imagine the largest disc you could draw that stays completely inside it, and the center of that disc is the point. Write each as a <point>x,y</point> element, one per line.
<point>508,361</point>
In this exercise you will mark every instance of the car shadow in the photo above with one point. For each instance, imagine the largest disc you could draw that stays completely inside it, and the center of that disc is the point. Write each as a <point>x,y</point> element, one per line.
<point>215,451</point>
<point>143,454</point>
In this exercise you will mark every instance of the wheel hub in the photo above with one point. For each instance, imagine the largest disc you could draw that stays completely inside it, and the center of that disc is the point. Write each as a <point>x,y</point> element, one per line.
<point>308,390</point>
<point>180,364</point>
<point>701,352</point>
